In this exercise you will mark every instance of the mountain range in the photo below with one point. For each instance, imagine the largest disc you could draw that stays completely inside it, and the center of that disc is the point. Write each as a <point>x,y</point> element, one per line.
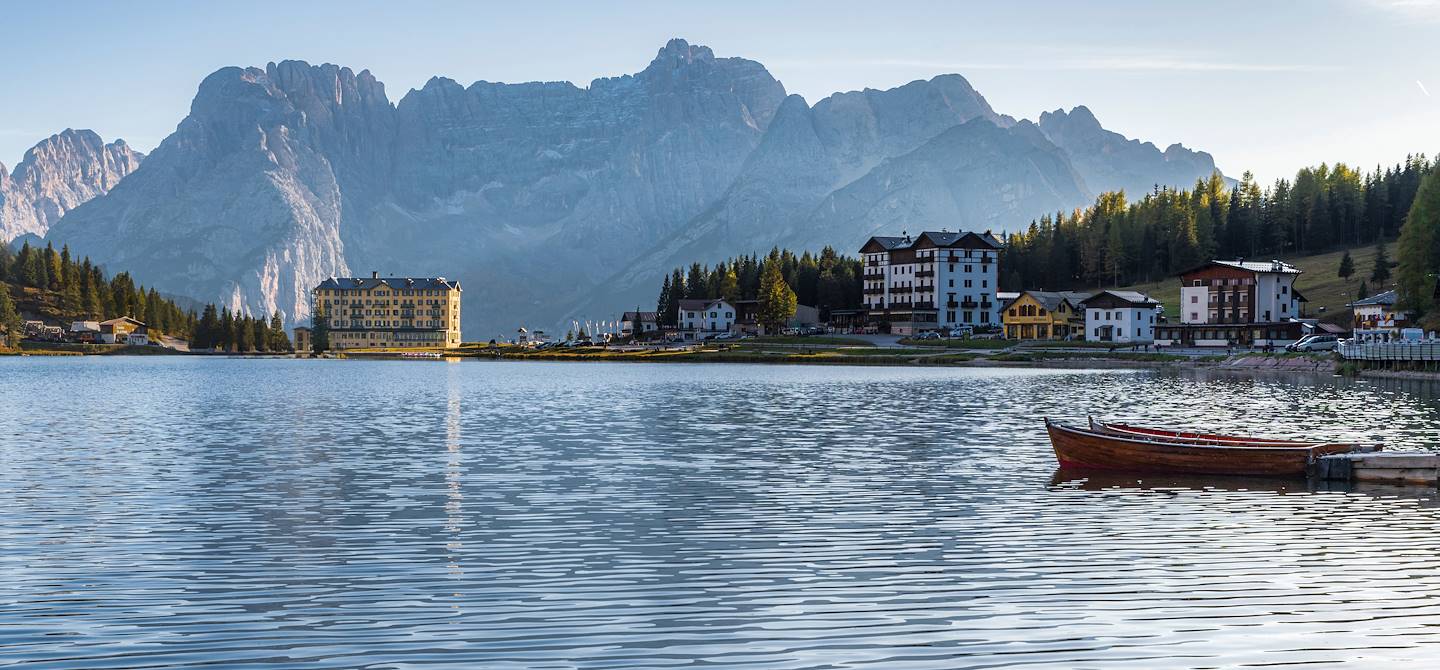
<point>546,199</point>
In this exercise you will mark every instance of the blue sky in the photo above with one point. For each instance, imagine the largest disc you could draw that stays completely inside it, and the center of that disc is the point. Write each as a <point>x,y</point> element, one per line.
<point>1266,86</point>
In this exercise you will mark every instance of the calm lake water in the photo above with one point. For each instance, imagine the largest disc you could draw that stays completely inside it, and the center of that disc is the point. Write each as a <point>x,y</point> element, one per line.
<point>189,512</point>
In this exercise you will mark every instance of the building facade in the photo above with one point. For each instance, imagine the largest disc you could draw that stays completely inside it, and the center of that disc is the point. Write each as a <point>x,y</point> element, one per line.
<point>932,281</point>
<point>1377,315</point>
<point>1123,317</point>
<point>302,341</point>
<point>1045,315</point>
<point>702,319</point>
<point>390,312</point>
<point>639,324</point>
<point>117,331</point>
<point>1224,303</point>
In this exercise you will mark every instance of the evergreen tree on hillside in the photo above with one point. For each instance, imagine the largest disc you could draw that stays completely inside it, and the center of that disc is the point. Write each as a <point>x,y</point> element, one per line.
<point>1363,292</point>
<point>1381,273</point>
<point>10,318</point>
<point>1347,266</point>
<point>1419,257</point>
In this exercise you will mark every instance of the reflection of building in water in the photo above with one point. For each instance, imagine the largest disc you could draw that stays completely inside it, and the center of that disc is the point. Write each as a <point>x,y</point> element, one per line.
<point>454,472</point>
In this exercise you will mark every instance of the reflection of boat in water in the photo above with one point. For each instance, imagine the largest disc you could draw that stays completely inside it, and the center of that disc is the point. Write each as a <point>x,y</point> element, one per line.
<point>1131,449</point>
<point>1100,480</point>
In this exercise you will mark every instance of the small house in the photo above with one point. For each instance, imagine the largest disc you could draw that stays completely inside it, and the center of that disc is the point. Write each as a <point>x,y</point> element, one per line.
<point>703,319</point>
<point>85,331</point>
<point>639,324</point>
<point>115,331</point>
<point>1123,317</point>
<point>1045,315</point>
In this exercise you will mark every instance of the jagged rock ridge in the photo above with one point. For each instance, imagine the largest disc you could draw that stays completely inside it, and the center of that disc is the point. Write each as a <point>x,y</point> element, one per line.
<point>1110,160</point>
<point>57,175</point>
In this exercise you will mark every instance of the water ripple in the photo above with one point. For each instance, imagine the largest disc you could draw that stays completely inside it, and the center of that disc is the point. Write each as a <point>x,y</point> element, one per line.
<point>178,513</point>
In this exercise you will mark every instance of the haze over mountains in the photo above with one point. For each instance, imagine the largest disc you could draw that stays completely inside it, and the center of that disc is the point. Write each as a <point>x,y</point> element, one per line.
<point>550,200</point>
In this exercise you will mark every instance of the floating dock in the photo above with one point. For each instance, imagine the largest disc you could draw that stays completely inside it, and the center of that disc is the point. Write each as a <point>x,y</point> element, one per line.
<point>1389,467</point>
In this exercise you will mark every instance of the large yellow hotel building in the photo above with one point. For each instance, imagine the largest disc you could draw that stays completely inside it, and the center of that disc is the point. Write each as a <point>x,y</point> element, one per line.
<point>390,311</point>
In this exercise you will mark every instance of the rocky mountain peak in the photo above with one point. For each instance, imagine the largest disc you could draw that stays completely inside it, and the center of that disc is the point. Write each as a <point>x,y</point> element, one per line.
<point>58,174</point>
<point>1078,119</point>
<point>678,51</point>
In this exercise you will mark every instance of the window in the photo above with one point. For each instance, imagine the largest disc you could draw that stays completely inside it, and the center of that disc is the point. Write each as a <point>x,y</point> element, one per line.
<point>968,283</point>
<point>967,268</point>
<point>1194,299</point>
<point>984,283</point>
<point>1284,290</point>
<point>952,282</point>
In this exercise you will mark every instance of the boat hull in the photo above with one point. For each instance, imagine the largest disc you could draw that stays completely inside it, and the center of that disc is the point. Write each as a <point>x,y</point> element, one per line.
<point>1085,450</point>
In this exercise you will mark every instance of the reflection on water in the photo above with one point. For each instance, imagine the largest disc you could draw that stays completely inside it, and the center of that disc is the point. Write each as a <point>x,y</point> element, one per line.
<point>342,514</point>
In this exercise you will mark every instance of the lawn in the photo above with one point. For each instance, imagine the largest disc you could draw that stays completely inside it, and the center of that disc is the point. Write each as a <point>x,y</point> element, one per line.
<point>808,339</point>
<point>958,343</point>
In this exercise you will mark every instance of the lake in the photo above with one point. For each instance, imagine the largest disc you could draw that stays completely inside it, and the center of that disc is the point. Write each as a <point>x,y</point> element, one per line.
<point>186,512</point>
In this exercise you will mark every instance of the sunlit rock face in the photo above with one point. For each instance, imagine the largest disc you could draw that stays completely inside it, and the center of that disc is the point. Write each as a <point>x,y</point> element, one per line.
<point>56,176</point>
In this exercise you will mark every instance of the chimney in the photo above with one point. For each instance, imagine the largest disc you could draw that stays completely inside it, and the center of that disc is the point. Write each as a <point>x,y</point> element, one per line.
<point>374,274</point>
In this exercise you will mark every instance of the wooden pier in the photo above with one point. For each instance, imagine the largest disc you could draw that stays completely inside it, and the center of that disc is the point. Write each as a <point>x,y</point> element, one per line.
<point>1390,467</point>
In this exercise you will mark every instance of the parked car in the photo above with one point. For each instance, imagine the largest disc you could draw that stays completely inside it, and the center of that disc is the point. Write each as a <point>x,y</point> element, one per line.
<point>928,335</point>
<point>1317,342</point>
<point>960,333</point>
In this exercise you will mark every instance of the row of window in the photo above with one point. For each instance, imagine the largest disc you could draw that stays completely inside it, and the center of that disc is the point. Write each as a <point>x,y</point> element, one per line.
<point>368,301</point>
<point>1224,281</point>
<point>1095,315</point>
<point>911,269</point>
<point>380,291</point>
<point>1238,297</point>
<point>713,315</point>
<point>387,324</point>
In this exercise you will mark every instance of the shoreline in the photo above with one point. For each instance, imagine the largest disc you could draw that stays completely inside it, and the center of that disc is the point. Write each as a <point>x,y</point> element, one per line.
<point>836,354</point>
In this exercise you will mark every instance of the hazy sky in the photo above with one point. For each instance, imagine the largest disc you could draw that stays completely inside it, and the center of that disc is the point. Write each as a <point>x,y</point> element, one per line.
<point>1264,86</point>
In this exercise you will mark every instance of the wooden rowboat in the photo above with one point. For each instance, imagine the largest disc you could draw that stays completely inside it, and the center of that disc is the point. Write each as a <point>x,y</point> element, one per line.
<point>1079,448</point>
<point>1199,438</point>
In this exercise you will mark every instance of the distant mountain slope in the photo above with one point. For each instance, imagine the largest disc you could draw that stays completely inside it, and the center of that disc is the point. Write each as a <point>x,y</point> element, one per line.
<point>57,175</point>
<point>1111,162</point>
<point>549,199</point>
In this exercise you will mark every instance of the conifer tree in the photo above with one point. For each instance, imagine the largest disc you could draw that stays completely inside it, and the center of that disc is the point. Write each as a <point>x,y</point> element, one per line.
<point>1420,247</point>
<point>1347,266</point>
<point>777,299</point>
<point>279,341</point>
<point>10,318</point>
<point>1381,273</point>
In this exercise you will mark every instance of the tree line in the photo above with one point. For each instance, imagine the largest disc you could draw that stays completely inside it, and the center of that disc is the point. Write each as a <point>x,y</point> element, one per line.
<point>226,331</point>
<point>1116,242</point>
<point>83,292</point>
<point>828,281</point>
